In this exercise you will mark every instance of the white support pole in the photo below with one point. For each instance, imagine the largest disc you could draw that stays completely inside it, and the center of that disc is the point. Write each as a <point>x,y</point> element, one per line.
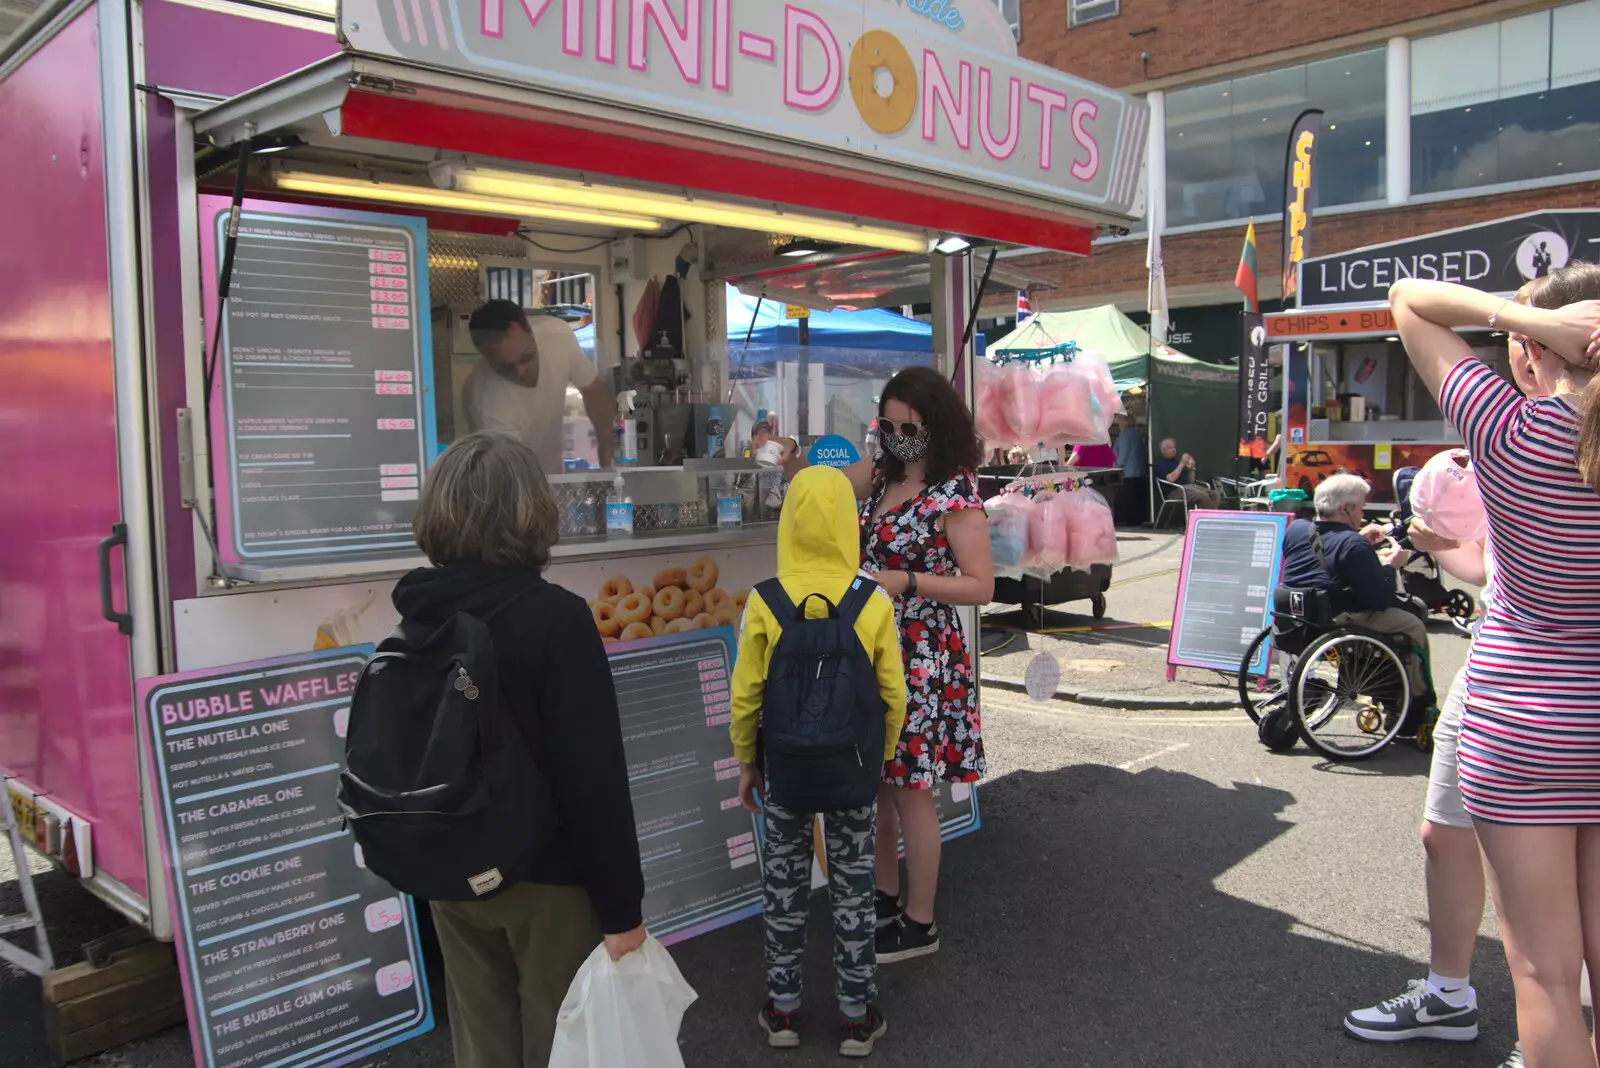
<point>1397,132</point>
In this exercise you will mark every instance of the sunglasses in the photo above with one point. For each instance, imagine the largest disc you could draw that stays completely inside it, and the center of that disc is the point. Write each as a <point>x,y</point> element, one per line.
<point>1531,348</point>
<point>890,428</point>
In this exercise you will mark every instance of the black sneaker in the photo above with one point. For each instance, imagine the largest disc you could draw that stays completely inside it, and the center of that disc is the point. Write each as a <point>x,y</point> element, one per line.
<point>1418,1013</point>
<point>889,909</point>
<point>856,1037</point>
<point>907,939</point>
<point>782,1028</point>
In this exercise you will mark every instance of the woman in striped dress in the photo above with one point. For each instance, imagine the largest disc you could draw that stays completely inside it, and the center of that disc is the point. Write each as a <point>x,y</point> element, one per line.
<point>1529,751</point>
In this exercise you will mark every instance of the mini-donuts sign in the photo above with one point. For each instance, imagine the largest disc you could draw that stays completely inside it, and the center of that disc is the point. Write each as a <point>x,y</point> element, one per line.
<point>868,77</point>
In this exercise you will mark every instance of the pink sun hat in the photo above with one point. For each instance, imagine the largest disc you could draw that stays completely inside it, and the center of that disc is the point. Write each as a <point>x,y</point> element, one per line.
<point>1445,497</point>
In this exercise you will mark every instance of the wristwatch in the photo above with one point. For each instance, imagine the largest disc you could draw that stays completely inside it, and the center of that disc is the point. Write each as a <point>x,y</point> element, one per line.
<point>911,583</point>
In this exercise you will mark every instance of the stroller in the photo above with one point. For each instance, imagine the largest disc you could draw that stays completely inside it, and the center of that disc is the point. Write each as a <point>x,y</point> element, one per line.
<point>1421,578</point>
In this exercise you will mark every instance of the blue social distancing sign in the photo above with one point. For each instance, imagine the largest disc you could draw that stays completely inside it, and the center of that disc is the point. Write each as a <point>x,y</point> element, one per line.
<point>834,451</point>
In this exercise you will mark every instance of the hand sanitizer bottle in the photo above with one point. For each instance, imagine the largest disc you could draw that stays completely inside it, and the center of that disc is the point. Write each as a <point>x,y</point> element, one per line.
<point>619,511</point>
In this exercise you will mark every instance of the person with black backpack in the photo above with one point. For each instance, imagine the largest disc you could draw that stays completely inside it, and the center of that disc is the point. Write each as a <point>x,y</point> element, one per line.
<point>819,699</point>
<point>485,770</point>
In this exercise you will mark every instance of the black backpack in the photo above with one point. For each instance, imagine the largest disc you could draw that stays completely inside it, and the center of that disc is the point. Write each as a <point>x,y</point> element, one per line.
<point>822,715</point>
<point>439,786</point>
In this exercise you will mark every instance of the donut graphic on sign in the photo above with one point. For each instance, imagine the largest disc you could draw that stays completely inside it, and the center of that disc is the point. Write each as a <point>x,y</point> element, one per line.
<point>883,81</point>
<point>1541,253</point>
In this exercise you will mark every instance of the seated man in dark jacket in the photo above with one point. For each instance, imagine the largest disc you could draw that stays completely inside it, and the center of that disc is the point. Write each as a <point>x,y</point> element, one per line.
<point>1360,586</point>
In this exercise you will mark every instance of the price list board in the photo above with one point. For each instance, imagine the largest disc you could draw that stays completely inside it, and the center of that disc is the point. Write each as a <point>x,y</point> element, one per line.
<point>321,401</point>
<point>1225,587</point>
<point>698,847</point>
<point>292,953</point>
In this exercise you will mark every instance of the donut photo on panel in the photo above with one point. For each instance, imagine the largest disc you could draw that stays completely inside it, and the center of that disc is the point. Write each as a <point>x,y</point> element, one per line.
<point>888,112</point>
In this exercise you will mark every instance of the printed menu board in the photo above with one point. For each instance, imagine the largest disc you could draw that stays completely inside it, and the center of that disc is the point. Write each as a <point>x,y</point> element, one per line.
<point>1225,587</point>
<point>292,953</point>
<point>696,844</point>
<point>321,403</point>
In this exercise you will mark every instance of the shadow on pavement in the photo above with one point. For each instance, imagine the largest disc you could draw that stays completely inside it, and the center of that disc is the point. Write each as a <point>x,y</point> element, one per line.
<point>1081,926</point>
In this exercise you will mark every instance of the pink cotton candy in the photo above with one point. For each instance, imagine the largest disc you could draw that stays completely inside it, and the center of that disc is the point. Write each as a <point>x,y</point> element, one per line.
<point>1073,405</point>
<point>1019,402</point>
<point>990,406</point>
<point>1444,495</point>
<point>1034,560</point>
<point>1092,532</point>
<point>1048,535</point>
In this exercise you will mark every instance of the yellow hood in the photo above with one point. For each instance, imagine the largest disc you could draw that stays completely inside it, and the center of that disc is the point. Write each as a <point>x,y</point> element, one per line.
<point>819,532</point>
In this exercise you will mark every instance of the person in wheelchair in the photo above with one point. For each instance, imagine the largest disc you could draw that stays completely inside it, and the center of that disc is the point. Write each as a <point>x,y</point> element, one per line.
<point>1336,552</point>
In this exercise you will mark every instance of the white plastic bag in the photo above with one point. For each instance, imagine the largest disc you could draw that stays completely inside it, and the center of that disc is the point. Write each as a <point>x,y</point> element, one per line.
<point>623,1014</point>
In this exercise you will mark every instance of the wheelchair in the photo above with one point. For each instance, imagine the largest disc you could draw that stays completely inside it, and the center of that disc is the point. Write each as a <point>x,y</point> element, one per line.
<point>1345,688</point>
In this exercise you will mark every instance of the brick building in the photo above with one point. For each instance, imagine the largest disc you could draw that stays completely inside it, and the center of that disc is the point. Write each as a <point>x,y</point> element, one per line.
<point>1439,114</point>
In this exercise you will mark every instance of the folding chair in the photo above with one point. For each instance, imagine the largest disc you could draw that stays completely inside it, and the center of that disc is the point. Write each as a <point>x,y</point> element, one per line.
<point>1172,497</point>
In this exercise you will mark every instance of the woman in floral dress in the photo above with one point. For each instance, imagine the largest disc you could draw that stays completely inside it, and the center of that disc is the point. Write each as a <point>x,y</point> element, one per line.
<point>925,539</point>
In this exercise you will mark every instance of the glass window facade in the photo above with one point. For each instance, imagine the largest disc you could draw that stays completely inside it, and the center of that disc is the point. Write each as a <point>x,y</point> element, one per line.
<point>1226,141</point>
<point>1508,101</point>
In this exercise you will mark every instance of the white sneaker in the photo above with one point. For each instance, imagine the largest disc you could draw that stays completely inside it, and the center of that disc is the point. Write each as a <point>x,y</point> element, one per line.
<point>1418,1013</point>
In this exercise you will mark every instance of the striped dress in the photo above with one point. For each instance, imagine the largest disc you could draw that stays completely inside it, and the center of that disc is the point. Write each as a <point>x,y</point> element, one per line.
<point>1530,740</point>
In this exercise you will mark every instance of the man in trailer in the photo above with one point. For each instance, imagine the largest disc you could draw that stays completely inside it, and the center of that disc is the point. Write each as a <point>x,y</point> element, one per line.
<point>520,388</point>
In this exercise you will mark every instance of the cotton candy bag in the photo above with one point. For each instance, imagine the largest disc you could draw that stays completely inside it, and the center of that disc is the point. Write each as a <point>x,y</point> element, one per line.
<point>1092,532</point>
<point>1008,532</point>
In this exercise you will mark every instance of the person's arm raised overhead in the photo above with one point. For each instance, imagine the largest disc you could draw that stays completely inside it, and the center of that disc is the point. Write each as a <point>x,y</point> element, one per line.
<point>1428,313</point>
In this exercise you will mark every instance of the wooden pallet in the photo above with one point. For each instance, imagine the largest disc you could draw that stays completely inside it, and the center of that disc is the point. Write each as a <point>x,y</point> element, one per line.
<point>91,1009</point>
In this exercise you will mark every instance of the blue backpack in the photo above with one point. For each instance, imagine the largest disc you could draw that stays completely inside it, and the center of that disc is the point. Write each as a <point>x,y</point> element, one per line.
<point>822,715</point>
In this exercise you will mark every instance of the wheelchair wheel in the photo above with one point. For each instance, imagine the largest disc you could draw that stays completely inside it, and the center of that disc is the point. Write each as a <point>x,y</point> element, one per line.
<point>1260,694</point>
<point>1351,693</point>
<point>1461,608</point>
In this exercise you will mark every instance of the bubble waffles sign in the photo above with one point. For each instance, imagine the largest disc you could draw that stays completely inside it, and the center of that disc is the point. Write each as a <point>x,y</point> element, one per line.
<point>868,77</point>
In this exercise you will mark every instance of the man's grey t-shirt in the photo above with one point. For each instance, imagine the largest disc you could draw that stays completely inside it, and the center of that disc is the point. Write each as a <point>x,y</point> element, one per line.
<point>533,416</point>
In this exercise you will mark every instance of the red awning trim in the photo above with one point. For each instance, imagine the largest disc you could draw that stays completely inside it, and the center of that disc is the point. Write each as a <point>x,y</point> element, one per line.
<point>703,166</point>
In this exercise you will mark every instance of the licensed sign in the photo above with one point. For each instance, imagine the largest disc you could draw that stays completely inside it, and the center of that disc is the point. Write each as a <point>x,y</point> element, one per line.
<point>914,85</point>
<point>1497,257</point>
<point>1225,587</point>
<point>292,953</point>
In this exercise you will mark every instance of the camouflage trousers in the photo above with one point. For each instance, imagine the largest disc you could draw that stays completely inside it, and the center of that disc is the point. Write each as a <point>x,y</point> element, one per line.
<point>848,839</point>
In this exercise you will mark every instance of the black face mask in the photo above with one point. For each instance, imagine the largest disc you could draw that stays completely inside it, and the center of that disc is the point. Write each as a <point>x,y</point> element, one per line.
<point>908,449</point>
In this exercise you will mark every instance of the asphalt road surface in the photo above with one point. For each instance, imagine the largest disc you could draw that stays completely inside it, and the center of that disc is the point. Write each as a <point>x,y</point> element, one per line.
<point>1147,888</point>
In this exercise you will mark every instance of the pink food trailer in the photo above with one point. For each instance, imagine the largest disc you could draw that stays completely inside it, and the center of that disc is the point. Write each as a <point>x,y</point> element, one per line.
<point>242,241</point>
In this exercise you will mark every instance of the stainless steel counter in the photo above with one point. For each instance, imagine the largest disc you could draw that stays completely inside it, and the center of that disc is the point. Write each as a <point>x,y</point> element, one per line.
<point>650,543</point>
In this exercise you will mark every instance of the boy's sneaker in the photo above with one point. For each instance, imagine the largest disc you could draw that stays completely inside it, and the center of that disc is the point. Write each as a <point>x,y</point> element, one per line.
<point>907,939</point>
<point>1515,1060</point>
<point>782,1028</point>
<point>889,910</point>
<point>1418,1013</point>
<point>857,1036</point>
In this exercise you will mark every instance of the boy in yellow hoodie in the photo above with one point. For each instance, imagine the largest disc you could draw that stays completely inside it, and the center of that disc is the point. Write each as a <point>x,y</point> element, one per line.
<point>819,553</point>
